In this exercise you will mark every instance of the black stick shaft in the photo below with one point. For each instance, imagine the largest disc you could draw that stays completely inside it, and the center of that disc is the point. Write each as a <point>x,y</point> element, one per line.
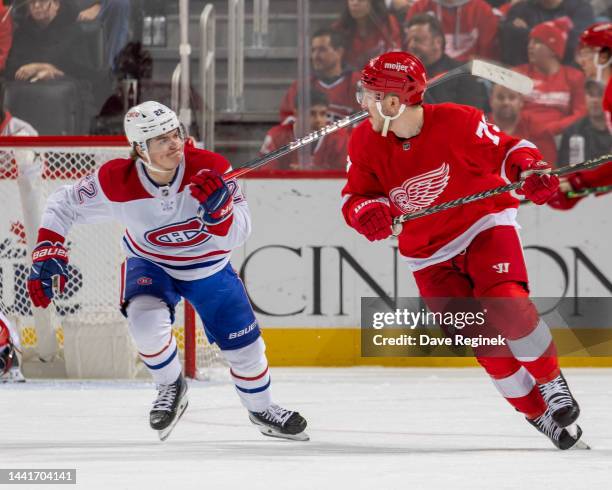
<point>568,169</point>
<point>331,128</point>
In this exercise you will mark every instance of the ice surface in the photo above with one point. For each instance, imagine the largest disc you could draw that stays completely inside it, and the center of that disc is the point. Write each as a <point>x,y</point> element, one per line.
<point>375,428</point>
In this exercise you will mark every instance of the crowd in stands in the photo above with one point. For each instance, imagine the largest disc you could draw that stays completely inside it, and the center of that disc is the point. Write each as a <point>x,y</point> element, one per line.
<point>50,41</point>
<point>540,38</point>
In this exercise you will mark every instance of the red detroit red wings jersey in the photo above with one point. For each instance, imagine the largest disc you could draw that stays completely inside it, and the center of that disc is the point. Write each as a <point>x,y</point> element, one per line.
<point>470,30</point>
<point>160,221</point>
<point>456,153</point>
<point>607,104</point>
<point>340,94</point>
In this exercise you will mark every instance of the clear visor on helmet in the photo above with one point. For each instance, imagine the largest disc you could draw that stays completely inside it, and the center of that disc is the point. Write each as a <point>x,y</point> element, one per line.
<point>364,95</point>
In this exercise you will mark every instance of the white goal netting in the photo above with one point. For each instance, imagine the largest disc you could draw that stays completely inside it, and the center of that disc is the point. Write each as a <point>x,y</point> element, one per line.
<point>85,319</point>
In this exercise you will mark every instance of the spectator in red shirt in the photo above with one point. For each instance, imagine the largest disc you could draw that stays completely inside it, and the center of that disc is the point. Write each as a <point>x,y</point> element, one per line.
<point>329,76</point>
<point>558,98</point>
<point>370,30</point>
<point>328,153</point>
<point>470,26</point>
<point>425,39</point>
<point>506,113</point>
<point>6,35</point>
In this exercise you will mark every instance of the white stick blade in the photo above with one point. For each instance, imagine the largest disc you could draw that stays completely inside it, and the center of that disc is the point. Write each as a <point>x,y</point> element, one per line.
<point>502,76</point>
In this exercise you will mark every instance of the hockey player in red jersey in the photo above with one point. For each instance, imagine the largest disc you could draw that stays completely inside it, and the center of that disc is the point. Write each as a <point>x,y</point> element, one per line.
<point>408,156</point>
<point>599,37</point>
<point>182,221</point>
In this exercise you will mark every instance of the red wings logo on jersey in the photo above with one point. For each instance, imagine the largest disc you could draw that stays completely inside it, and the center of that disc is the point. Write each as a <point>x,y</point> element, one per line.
<point>421,191</point>
<point>186,234</point>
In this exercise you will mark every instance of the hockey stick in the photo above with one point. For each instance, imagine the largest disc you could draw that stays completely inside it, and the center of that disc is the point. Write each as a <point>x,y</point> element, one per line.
<point>478,68</point>
<point>589,190</point>
<point>568,169</point>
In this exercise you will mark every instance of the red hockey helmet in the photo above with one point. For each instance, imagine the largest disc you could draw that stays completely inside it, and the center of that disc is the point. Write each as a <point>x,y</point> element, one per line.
<point>598,35</point>
<point>398,73</point>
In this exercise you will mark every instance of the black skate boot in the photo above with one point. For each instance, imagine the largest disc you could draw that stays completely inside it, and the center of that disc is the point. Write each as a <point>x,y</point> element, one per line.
<point>562,437</point>
<point>563,407</point>
<point>167,409</point>
<point>278,422</point>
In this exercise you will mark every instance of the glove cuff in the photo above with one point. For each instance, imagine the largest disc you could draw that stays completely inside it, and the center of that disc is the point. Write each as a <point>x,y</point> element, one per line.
<point>46,235</point>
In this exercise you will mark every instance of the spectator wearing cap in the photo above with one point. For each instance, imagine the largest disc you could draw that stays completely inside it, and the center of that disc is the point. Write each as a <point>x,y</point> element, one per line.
<point>557,100</point>
<point>524,15</point>
<point>507,113</point>
<point>6,34</point>
<point>328,153</point>
<point>470,26</point>
<point>369,29</point>
<point>425,39</point>
<point>330,76</point>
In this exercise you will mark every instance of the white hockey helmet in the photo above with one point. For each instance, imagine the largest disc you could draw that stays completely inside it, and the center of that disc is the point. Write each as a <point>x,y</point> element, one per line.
<point>149,120</point>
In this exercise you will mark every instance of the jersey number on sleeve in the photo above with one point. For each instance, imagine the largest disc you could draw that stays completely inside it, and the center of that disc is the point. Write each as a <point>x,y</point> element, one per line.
<point>484,128</point>
<point>86,189</point>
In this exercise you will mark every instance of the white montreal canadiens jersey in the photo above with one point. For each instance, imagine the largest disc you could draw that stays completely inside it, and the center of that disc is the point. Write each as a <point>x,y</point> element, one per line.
<point>161,221</point>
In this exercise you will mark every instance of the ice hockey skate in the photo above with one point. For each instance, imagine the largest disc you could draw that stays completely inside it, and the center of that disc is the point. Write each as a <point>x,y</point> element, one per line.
<point>169,406</point>
<point>562,437</point>
<point>278,422</point>
<point>563,407</point>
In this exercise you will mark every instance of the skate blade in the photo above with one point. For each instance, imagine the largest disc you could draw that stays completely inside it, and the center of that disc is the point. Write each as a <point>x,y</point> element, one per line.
<point>271,432</point>
<point>267,431</point>
<point>573,431</point>
<point>580,445</point>
<point>165,433</point>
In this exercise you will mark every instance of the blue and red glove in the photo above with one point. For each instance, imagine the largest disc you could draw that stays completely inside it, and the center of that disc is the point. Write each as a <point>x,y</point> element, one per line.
<point>539,185</point>
<point>216,201</point>
<point>371,217</point>
<point>49,272</point>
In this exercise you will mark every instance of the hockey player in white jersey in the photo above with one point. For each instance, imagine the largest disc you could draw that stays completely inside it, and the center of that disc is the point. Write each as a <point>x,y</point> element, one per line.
<point>182,221</point>
<point>10,352</point>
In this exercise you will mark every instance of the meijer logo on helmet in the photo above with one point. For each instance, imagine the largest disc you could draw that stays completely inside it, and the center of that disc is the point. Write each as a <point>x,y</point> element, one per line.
<point>396,67</point>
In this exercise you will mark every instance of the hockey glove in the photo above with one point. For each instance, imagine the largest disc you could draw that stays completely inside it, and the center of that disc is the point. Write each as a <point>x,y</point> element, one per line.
<point>372,218</point>
<point>216,201</point>
<point>48,274</point>
<point>574,183</point>
<point>538,186</point>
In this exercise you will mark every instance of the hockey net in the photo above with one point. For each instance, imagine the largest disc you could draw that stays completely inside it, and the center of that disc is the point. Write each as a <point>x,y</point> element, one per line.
<point>30,170</point>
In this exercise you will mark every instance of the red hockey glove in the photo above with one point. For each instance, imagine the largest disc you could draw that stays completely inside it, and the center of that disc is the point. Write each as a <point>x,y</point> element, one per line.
<point>372,218</point>
<point>538,186</point>
<point>574,183</point>
<point>49,272</point>
<point>216,201</point>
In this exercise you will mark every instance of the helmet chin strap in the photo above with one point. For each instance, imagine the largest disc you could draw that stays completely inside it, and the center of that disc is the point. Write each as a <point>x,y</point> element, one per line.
<point>600,66</point>
<point>388,119</point>
<point>146,161</point>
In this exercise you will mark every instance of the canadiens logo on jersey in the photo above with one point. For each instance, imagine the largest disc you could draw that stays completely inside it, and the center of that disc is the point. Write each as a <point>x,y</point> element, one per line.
<point>421,191</point>
<point>184,234</point>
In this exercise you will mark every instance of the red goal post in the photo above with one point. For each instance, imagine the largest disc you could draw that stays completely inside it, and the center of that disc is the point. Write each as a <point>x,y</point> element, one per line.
<point>30,169</point>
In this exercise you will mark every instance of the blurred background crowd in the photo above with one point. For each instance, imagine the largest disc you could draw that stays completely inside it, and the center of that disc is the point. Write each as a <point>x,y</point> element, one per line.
<point>73,67</point>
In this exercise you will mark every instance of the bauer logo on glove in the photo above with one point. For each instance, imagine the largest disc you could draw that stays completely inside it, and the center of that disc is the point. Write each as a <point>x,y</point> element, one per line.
<point>48,274</point>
